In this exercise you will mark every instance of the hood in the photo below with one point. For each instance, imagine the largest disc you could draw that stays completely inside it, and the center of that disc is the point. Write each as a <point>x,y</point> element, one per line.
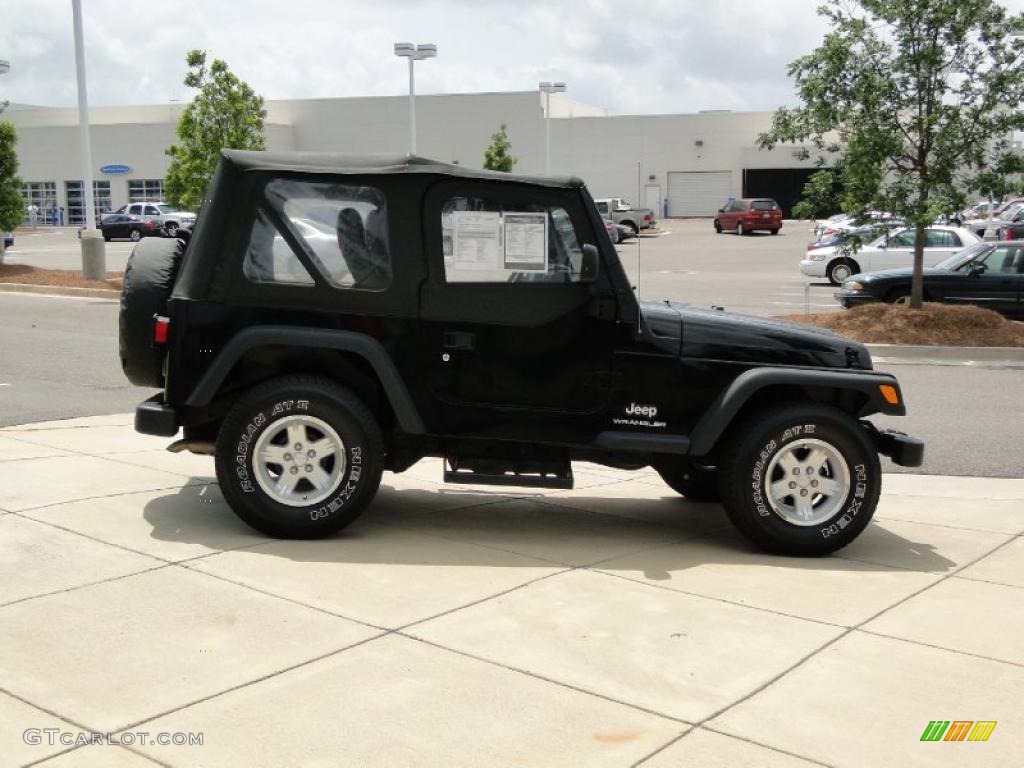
<point>895,274</point>
<point>717,335</point>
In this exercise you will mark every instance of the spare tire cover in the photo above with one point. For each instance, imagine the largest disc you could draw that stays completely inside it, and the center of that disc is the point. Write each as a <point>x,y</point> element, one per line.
<point>148,280</point>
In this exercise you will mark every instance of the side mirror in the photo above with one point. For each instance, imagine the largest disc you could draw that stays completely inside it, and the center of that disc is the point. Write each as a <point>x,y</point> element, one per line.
<point>721,210</point>
<point>976,270</point>
<point>590,264</point>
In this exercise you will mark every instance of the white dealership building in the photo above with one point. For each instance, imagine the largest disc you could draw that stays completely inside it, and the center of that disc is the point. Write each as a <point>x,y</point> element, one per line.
<point>679,165</point>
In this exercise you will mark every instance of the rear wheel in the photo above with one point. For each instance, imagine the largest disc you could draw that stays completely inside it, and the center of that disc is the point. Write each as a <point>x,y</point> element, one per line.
<point>774,231</point>
<point>633,227</point>
<point>694,481</point>
<point>299,457</point>
<point>802,480</point>
<point>171,229</point>
<point>841,269</point>
<point>900,296</point>
<point>135,235</point>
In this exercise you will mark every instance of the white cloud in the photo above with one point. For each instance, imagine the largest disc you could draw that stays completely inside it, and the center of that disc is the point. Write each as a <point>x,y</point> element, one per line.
<point>630,57</point>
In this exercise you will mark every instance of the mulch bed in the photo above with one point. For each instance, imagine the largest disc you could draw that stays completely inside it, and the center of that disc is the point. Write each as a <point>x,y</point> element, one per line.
<point>933,324</point>
<point>65,278</point>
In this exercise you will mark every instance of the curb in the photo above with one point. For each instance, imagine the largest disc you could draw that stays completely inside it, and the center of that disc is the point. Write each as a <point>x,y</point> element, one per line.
<point>946,354</point>
<point>59,290</point>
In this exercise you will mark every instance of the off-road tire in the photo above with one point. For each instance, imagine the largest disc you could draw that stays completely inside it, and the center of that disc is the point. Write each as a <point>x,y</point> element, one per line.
<point>836,270</point>
<point>693,481</point>
<point>273,403</point>
<point>747,501</point>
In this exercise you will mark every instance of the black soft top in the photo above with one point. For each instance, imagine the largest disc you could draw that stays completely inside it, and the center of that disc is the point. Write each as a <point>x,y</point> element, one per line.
<point>334,162</point>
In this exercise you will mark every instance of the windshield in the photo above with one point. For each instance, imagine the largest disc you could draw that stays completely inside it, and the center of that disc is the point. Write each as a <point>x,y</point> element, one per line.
<point>765,205</point>
<point>962,256</point>
<point>1010,213</point>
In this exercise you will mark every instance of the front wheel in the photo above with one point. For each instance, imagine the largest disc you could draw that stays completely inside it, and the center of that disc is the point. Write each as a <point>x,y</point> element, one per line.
<point>718,226</point>
<point>135,235</point>
<point>299,457</point>
<point>840,270</point>
<point>739,229</point>
<point>803,480</point>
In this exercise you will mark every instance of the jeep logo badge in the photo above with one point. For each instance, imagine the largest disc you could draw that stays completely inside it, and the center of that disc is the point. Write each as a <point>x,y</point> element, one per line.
<point>649,411</point>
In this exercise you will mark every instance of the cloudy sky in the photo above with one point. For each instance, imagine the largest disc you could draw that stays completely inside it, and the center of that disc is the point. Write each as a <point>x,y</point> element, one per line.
<point>642,56</point>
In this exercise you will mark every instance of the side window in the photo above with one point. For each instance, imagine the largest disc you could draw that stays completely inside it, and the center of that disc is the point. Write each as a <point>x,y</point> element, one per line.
<point>602,208</point>
<point>739,206</point>
<point>135,210</point>
<point>904,239</point>
<point>343,227</point>
<point>1005,260</point>
<point>151,210</point>
<point>490,241</point>
<point>940,238</point>
<point>269,258</point>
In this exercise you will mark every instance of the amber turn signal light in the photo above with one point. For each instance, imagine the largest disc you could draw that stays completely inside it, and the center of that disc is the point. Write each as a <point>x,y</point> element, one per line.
<point>892,397</point>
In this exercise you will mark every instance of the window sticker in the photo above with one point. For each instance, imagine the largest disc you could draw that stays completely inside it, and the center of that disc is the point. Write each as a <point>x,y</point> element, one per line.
<point>476,240</point>
<point>526,242</point>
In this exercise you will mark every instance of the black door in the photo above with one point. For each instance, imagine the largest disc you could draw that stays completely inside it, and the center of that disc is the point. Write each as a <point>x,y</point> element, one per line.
<point>992,280</point>
<point>116,226</point>
<point>511,345</point>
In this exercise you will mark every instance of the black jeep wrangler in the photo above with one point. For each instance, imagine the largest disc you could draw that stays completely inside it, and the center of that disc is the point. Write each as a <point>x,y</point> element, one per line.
<point>333,317</point>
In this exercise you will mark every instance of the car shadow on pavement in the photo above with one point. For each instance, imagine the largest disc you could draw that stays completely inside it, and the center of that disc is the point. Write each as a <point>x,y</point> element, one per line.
<point>458,527</point>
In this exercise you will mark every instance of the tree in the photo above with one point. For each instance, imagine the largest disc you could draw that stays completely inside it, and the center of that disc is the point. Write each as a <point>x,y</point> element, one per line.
<point>225,114</point>
<point>914,97</point>
<point>822,194</point>
<point>496,156</point>
<point>11,204</point>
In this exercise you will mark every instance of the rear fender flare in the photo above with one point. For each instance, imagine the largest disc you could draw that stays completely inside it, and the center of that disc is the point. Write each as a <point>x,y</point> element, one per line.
<point>364,346</point>
<point>723,410</point>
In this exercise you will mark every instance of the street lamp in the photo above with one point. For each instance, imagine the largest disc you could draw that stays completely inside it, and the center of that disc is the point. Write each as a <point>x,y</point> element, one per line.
<point>547,89</point>
<point>414,53</point>
<point>94,265</point>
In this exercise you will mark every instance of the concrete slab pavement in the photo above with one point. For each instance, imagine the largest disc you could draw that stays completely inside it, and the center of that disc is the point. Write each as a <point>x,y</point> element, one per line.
<point>612,625</point>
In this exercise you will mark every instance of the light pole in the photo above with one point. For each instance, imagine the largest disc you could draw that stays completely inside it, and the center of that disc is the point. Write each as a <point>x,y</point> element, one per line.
<point>547,89</point>
<point>94,265</point>
<point>414,53</point>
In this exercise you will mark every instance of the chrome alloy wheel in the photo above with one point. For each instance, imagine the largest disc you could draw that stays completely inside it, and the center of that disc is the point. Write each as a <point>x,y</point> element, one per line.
<point>807,482</point>
<point>299,460</point>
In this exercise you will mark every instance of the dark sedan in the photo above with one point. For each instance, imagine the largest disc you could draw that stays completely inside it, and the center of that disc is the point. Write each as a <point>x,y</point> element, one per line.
<point>119,226</point>
<point>985,274</point>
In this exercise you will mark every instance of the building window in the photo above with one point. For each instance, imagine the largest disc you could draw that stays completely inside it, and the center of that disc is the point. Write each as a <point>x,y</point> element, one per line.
<point>144,190</point>
<point>76,201</point>
<point>40,200</point>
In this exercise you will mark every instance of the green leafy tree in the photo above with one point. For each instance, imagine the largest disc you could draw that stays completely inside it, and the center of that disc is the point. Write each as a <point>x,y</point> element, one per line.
<point>821,194</point>
<point>11,204</point>
<point>225,114</point>
<point>497,156</point>
<point>914,97</point>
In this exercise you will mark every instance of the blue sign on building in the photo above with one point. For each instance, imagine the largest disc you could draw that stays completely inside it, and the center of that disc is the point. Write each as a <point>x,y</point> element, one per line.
<point>116,168</point>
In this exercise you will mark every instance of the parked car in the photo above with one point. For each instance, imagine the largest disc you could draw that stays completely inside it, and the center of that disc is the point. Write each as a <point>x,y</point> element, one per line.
<point>474,296</point>
<point>8,239</point>
<point>618,233</point>
<point>862,234</point>
<point>120,226</point>
<point>748,215</point>
<point>838,262</point>
<point>1008,207</point>
<point>985,274</point>
<point>166,217</point>
<point>979,210</point>
<point>844,223</point>
<point>621,212</point>
<point>1010,224</point>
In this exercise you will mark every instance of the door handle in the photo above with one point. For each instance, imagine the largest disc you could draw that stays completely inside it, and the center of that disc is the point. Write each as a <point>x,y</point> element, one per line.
<point>461,341</point>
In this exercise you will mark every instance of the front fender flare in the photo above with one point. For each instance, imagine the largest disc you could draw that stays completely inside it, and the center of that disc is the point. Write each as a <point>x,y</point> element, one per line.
<point>368,348</point>
<point>723,410</point>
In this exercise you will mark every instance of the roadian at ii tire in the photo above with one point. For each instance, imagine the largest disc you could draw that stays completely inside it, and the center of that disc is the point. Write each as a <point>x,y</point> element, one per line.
<point>801,480</point>
<point>299,457</point>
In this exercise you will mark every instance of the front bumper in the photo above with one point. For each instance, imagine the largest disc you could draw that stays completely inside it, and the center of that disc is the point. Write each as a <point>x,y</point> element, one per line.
<point>812,268</point>
<point>154,417</point>
<point>903,449</point>
<point>849,299</point>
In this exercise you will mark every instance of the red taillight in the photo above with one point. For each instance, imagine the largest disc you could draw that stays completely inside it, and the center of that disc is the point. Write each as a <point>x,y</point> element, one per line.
<point>160,327</point>
<point>647,217</point>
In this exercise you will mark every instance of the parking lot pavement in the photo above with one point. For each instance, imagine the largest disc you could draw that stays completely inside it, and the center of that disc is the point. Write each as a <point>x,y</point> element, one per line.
<point>611,625</point>
<point>60,248</point>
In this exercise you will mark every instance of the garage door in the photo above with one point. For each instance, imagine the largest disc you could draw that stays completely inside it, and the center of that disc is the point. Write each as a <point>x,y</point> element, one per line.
<point>698,193</point>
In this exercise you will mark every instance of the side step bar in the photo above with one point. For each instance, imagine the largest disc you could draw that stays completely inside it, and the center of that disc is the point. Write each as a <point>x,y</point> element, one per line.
<point>530,474</point>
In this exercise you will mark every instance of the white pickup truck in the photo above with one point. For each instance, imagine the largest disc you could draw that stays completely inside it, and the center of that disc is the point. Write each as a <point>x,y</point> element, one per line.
<point>621,212</point>
<point>168,220</point>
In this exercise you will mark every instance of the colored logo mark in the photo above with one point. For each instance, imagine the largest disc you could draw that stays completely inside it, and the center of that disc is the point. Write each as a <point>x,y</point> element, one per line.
<point>958,730</point>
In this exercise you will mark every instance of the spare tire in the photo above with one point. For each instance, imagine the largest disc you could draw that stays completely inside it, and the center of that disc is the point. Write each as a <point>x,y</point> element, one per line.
<point>148,280</point>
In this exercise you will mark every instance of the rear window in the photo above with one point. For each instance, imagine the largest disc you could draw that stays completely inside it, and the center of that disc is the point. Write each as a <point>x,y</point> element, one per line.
<point>765,205</point>
<point>341,228</point>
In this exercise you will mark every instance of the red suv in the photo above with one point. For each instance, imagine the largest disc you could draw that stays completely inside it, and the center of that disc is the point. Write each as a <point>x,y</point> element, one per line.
<point>749,214</point>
